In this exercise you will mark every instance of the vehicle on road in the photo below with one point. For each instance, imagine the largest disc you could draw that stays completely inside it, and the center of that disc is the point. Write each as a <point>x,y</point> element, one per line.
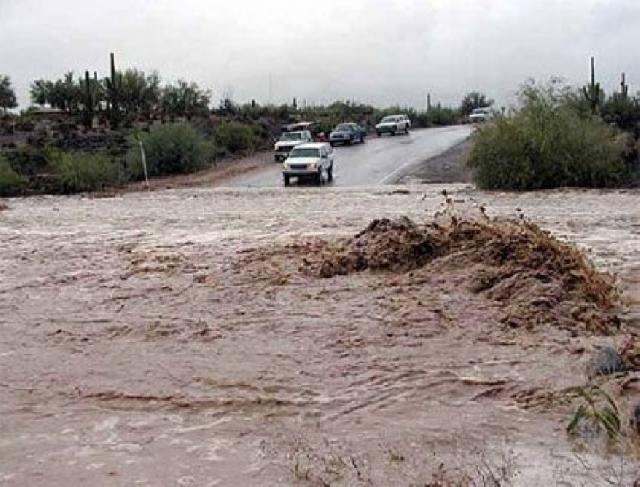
<point>347,133</point>
<point>394,124</point>
<point>483,114</point>
<point>288,141</point>
<point>309,161</point>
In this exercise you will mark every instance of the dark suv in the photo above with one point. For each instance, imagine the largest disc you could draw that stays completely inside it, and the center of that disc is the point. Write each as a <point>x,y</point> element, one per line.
<point>347,133</point>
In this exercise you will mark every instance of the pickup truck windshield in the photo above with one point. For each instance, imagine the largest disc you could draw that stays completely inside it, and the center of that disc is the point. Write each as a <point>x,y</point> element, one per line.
<point>344,127</point>
<point>388,119</point>
<point>292,136</point>
<point>304,153</point>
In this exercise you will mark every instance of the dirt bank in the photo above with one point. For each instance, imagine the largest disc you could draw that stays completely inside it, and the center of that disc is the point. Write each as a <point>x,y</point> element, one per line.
<point>178,338</point>
<point>448,167</point>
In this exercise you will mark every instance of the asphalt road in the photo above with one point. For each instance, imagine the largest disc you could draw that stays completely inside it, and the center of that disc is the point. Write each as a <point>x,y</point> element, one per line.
<point>378,161</point>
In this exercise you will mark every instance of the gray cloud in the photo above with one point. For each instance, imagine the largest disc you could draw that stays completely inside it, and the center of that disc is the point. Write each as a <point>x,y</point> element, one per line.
<point>392,51</point>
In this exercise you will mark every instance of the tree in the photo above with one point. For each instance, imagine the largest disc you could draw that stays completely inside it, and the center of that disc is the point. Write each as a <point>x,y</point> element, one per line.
<point>41,91</point>
<point>184,100</point>
<point>474,100</point>
<point>139,94</point>
<point>64,94</point>
<point>7,94</point>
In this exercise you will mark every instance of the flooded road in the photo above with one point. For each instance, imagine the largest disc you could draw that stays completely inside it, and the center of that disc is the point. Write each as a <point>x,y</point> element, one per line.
<point>147,340</point>
<point>378,161</point>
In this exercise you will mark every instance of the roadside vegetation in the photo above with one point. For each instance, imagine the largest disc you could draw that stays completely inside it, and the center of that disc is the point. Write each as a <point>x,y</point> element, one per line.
<point>560,137</point>
<point>83,133</point>
<point>11,182</point>
<point>169,149</point>
<point>82,171</point>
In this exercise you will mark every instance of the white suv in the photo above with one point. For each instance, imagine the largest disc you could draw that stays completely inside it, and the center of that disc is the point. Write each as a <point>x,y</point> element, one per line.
<point>309,161</point>
<point>393,124</point>
<point>288,141</point>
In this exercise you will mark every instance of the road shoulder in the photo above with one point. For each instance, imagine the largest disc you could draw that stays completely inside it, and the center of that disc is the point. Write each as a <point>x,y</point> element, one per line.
<point>448,167</point>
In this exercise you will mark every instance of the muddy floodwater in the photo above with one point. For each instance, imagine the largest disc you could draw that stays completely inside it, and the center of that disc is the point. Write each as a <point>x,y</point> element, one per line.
<point>147,339</point>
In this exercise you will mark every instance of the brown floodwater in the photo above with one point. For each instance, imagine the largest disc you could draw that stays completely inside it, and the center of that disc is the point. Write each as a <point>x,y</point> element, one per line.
<point>165,338</point>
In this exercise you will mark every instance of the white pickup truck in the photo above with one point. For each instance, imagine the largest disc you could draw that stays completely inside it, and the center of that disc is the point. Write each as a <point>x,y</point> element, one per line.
<point>393,124</point>
<point>288,141</point>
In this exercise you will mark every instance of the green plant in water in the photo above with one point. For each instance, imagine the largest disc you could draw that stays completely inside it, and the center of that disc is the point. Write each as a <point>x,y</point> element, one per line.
<point>598,410</point>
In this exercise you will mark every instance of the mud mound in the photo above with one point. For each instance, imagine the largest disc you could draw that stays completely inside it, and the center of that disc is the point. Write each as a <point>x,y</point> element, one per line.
<point>397,245</point>
<point>536,277</point>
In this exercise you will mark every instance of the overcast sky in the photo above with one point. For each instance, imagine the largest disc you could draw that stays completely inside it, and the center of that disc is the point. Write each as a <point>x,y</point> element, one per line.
<point>378,51</point>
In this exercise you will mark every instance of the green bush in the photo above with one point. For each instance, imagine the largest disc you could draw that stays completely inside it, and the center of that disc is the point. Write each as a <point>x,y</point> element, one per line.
<point>11,183</point>
<point>83,171</point>
<point>546,144</point>
<point>26,161</point>
<point>236,137</point>
<point>169,149</point>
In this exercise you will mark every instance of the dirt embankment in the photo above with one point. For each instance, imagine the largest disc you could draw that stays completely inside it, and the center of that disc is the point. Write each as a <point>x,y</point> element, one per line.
<point>223,170</point>
<point>448,167</point>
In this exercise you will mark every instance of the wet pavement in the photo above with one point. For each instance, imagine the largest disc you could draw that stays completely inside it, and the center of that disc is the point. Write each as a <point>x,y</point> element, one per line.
<point>146,340</point>
<point>380,160</point>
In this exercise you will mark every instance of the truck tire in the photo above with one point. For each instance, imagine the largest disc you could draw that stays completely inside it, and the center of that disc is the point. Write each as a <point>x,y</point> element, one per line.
<point>379,134</point>
<point>318,178</point>
<point>393,133</point>
<point>330,173</point>
<point>287,180</point>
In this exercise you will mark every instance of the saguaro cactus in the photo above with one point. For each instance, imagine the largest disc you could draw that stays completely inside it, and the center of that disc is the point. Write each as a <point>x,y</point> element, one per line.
<point>593,92</point>
<point>113,87</point>
<point>624,87</point>
<point>88,100</point>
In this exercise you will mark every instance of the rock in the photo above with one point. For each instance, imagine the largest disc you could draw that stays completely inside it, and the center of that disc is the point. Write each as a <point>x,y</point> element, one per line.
<point>605,362</point>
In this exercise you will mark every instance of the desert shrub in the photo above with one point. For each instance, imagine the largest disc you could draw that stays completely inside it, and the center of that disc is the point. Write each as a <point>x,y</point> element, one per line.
<point>436,116</point>
<point>26,161</point>
<point>236,137</point>
<point>83,171</point>
<point>169,149</point>
<point>11,183</point>
<point>546,144</point>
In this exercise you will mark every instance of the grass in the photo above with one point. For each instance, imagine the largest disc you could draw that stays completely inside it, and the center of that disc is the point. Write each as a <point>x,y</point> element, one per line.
<point>83,171</point>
